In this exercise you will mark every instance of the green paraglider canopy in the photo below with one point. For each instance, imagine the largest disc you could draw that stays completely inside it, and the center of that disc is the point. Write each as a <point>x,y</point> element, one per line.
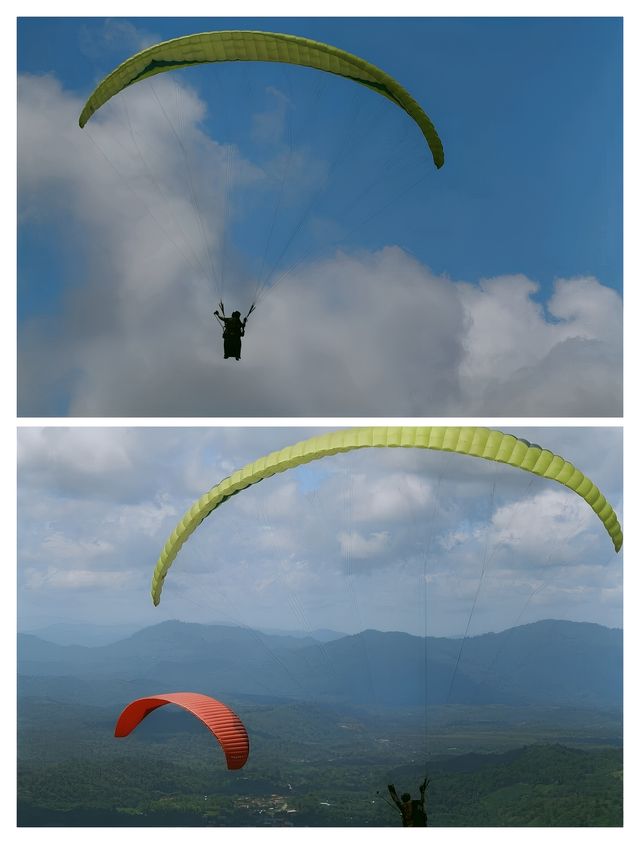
<point>247,46</point>
<point>473,441</point>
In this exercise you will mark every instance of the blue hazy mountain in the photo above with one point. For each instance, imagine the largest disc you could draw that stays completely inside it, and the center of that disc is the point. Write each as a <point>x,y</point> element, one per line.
<point>77,633</point>
<point>548,662</point>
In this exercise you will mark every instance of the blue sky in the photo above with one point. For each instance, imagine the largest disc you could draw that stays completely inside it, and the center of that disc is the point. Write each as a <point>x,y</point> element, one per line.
<point>525,107</point>
<point>343,543</point>
<point>520,233</point>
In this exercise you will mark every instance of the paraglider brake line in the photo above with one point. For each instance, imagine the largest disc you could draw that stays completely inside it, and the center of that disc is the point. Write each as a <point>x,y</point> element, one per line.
<point>388,802</point>
<point>249,312</point>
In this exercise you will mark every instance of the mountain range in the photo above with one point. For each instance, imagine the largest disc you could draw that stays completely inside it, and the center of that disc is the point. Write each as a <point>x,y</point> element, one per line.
<point>548,662</point>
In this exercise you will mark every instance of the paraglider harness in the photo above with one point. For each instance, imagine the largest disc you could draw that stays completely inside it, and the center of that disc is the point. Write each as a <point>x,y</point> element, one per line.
<point>232,330</point>
<point>413,811</point>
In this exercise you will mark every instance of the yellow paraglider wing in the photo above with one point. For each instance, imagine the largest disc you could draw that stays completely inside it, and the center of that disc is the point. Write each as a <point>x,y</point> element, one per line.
<point>244,46</point>
<point>472,441</point>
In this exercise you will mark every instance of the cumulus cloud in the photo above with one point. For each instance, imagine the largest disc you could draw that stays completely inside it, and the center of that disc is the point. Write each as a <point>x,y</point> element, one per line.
<point>62,548</point>
<point>353,333</point>
<point>543,361</point>
<point>146,518</point>
<point>546,528</point>
<point>76,579</point>
<point>547,523</point>
<point>269,125</point>
<point>88,452</point>
<point>354,544</point>
<point>390,498</point>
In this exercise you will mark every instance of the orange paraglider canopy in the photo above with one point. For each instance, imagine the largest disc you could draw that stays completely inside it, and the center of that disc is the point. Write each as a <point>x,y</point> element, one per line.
<point>219,719</point>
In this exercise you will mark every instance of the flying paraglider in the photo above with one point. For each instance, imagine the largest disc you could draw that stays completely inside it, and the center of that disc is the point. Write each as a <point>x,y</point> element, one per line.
<point>472,441</point>
<point>233,329</point>
<point>413,812</point>
<point>248,46</point>
<point>217,717</point>
<point>282,251</point>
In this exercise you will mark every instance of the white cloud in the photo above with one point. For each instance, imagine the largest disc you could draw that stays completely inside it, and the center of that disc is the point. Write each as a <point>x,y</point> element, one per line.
<point>519,362</point>
<point>551,527</point>
<point>85,451</point>
<point>453,539</point>
<point>354,544</point>
<point>76,579</point>
<point>146,518</point>
<point>269,124</point>
<point>395,496</point>
<point>355,333</point>
<point>59,547</point>
<point>275,539</point>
